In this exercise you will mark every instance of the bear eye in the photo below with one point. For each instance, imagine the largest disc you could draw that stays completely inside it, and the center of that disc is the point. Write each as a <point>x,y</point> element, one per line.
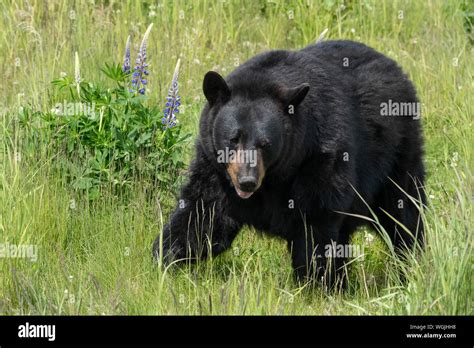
<point>234,139</point>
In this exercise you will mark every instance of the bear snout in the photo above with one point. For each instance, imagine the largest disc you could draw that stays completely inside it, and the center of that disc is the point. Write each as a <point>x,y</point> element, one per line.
<point>248,183</point>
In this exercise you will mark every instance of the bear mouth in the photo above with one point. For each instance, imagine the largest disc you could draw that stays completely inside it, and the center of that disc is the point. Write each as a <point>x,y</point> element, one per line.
<point>243,194</point>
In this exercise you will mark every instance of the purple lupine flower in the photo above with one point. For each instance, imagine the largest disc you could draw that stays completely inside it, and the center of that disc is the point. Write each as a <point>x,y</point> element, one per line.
<point>126,58</point>
<point>140,66</point>
<point>173,101</point>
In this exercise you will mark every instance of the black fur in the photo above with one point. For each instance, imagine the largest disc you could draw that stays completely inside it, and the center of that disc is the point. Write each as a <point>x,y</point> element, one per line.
<point>336,89</point>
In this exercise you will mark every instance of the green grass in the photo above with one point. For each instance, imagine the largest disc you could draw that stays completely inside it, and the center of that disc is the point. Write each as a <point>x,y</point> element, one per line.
<point>95,257</point>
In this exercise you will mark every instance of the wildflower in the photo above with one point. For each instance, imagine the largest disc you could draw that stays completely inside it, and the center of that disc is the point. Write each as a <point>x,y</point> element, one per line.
<point>173,101</point>
<point>138,77</point>
<point>368,237</point>
<point>126,57</point>
<point>454,160</point>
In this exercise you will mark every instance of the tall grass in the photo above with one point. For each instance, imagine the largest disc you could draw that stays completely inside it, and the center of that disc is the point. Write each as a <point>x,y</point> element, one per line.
<point>95,257</point>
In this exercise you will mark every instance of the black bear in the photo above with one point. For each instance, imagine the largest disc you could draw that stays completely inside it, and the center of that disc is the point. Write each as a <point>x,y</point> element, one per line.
<point>296,144</point>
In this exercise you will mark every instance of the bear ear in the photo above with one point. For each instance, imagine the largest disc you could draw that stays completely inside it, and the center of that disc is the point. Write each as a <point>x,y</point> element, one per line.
<point>294,96</point>
<point>215,87</point>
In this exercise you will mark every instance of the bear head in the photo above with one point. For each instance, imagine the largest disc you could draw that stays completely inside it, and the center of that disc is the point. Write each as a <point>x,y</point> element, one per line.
<point>246,125</point>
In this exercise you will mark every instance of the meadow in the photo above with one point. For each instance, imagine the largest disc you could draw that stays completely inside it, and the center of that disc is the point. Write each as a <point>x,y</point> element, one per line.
<point>94,244</point>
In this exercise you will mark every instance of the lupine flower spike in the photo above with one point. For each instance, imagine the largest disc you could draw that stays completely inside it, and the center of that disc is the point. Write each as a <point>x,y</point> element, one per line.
<point>139,80</point>
<point>126,58</point>
<point>173,101</point>
<point>77,73</point>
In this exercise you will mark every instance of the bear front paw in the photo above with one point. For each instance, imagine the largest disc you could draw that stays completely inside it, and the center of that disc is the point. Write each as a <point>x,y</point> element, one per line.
<point>167,252</point>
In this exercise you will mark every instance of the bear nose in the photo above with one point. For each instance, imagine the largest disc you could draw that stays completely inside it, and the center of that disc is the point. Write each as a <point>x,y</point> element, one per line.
<point>247,183</point>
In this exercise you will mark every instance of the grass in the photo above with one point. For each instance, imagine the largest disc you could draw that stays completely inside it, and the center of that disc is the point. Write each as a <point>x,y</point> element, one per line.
<point>94,257</point>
